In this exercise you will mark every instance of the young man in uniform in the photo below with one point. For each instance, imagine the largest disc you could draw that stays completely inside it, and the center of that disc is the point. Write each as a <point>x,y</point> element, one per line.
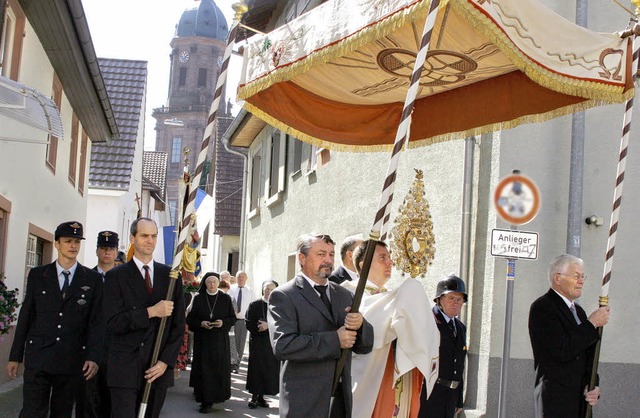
<point>60,329</point>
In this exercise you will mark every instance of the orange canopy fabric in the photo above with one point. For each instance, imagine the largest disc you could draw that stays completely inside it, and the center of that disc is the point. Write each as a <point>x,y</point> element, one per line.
<point>337,76</point>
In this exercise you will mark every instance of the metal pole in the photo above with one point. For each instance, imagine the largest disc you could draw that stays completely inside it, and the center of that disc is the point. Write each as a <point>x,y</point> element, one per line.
<point>506,347</point>
<point>467,198</point>
<point>576,171</point>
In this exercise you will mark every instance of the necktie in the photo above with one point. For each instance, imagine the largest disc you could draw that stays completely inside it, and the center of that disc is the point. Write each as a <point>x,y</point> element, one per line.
<point>65,285</point>
<point>323,295</point>
<point>147,278</point>
<point>572,308</point>
<point>452,326</point>
<point>239,301</point>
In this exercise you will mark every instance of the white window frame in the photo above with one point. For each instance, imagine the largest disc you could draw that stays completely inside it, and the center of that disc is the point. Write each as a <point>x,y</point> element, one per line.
<point>282,154</point>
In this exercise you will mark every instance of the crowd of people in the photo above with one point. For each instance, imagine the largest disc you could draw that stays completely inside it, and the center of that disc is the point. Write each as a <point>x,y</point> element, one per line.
<point>108,341</point>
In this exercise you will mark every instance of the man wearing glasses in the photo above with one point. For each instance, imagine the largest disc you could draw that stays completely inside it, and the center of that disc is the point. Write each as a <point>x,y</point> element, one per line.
<point>563,340</point>
<point>446,399</point>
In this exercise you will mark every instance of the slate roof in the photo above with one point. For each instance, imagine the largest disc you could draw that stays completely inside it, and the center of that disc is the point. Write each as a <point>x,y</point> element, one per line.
<point>228,185</point>
<point>154,171</point>
<point>125,81</point>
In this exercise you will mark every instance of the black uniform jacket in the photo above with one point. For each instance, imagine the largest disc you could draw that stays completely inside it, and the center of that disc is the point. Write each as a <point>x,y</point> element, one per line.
<point>58,335</point>
<point>453,352</point>
<point>340,275</point>
<point>562,354</point>
<point>132,333</point>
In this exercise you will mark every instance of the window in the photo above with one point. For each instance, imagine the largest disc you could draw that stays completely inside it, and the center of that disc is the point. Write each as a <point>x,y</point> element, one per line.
<point>202,77</point>
<point>182,77</point>
<point>296,164</point>
<point>73,154</point>
<point>11,40</point>
<point>176,149</point>
<point>83,161</point>
<point>52,147</point>
<point>39,249</point>
<point>277,158</point>
<point>5,209</point>
<point>255,182</point>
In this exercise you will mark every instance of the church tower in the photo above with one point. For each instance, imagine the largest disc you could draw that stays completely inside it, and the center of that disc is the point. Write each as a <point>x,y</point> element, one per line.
<point>197,51</point>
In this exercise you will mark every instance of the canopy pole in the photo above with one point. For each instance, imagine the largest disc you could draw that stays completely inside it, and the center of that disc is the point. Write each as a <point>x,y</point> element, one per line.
<point>386,197</point>
<point>603,300</point>
<point>240,9</point>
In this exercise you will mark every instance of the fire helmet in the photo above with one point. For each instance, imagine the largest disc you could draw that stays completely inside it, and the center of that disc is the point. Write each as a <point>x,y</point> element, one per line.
<point>450,284</point>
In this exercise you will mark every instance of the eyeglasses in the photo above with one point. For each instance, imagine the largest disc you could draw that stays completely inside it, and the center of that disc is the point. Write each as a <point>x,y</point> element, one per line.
<point>575,276</point>
<point>455,299</point>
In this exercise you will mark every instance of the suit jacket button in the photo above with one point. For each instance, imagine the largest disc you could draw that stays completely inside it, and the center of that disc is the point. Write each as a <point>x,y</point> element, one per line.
<point>141,344</point>
<point>60,314</point>
<point>84,347</point>
<point>30,341</point>
<point>57,338</point>
<point>59,326</point>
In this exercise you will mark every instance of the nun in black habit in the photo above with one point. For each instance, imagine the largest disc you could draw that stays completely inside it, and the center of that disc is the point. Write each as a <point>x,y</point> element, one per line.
<point>210,319</point>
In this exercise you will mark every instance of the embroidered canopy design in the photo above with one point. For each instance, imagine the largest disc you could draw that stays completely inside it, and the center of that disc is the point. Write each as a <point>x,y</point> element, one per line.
<point>337,76</point>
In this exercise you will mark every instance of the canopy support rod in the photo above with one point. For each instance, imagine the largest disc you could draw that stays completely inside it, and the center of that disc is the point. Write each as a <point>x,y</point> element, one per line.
<point>240,8</point>
<point>384,207</point>
<point>603,300</point>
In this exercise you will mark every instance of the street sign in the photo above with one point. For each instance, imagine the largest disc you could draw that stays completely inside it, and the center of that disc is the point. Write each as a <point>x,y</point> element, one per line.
<point>517,199</point>
<point>514,244</point>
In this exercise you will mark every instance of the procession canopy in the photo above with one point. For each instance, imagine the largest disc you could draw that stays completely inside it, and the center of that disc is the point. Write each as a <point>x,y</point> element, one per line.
<point>338,75</point>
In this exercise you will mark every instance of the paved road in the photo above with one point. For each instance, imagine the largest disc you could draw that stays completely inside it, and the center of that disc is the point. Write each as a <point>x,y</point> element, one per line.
<point>179,402</point>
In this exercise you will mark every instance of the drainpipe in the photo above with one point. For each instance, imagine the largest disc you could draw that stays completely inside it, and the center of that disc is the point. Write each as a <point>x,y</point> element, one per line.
<point>576,172</point>
<point>467,198</point>
<point>245,158</point>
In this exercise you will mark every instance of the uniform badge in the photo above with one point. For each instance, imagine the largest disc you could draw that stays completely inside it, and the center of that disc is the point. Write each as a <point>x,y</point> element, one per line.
<point>85,288</point>
<point>81,302</point>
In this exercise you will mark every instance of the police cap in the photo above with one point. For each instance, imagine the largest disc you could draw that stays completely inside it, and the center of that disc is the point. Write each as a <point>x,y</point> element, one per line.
<point>107,239</point>
<point>72,229</point>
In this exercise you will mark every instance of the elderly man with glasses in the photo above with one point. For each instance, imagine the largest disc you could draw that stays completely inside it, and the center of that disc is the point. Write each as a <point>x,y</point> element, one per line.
<point>563,340</point>
<point>446,399</point>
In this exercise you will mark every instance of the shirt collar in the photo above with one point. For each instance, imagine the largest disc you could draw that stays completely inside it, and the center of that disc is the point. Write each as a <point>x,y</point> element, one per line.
<point>351,273</point>
<point>72,270</point>
<point>567,301</point>
<point>141,265</point>
<point>311,282</point>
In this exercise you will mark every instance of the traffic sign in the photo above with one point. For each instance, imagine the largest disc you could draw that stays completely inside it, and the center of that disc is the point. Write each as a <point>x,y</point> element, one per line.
<point>514,244</point>
<point>517,199</point>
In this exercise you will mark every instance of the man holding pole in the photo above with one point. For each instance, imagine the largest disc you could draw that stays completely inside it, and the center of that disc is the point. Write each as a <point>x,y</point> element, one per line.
<point>563,340</point>
<point>134,304</point>
<point>309,325</point>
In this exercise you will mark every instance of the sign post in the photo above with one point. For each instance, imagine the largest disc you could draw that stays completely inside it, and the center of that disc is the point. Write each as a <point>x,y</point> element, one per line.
<point>517,202</point>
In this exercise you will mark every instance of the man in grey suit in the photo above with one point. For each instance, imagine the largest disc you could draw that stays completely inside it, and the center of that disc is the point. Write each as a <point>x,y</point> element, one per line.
<point>309,325</point>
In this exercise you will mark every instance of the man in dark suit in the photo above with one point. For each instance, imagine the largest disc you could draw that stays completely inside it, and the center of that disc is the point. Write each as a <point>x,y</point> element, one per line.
<point>347,271</point>
<point>134,304</point>
<point>446,399</point>
<point>309,325</point>
<point>563,340</point>
<point>59,331</point>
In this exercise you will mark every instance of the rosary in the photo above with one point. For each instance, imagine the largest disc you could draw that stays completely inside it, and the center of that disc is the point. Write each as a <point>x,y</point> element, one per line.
<point>214,305</point>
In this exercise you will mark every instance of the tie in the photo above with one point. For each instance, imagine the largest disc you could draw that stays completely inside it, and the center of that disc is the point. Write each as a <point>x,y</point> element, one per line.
<point>453,327</point>
<point>239,304</point>
<point>323,295</point>
<point>572,308</point>
<point>147,278</point>
<point>65,285</point>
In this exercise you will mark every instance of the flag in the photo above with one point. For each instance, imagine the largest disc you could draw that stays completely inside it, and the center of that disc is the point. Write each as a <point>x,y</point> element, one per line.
<point>204,205</point>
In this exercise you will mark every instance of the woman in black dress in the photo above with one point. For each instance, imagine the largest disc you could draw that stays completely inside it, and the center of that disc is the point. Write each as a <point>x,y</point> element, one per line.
<point>210,319</point>
<point>264,368</point>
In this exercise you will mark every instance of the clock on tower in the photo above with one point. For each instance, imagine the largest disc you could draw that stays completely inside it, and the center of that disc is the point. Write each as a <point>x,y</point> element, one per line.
<point>183,57</point>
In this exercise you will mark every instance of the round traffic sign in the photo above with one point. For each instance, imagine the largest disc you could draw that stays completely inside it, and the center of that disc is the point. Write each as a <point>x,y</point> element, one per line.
<point>517,199</point>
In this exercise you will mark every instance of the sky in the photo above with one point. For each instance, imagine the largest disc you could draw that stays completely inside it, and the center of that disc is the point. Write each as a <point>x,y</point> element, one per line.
<point>143,30</point>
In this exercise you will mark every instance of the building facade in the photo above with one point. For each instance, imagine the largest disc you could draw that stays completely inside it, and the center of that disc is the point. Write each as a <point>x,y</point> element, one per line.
<point>44,175</point>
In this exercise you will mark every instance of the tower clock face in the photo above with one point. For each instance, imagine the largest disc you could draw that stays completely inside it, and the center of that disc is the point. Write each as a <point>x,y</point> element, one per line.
<point>183,57</point>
